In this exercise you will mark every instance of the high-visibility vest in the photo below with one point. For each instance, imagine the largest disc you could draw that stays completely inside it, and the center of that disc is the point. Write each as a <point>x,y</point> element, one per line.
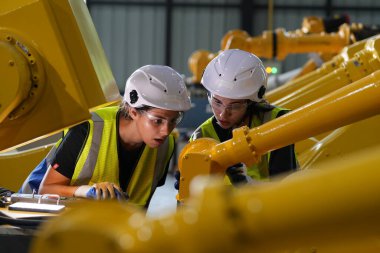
<point>257,171</point>
<point>99,162</point>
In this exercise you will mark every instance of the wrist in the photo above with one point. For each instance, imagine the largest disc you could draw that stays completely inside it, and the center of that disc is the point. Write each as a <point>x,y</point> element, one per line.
<point>81,191</point>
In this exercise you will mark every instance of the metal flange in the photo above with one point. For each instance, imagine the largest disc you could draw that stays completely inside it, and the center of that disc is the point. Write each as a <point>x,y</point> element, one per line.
<point>22,68</point>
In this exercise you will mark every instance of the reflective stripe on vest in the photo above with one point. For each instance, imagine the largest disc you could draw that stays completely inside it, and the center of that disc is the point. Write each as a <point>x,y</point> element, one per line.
<point>98,161</point>
<point>89,165</point>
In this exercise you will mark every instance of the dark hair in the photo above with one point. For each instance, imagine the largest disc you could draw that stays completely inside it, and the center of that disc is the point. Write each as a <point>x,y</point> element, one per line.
<point>124,106</point>
<point>257,107</point>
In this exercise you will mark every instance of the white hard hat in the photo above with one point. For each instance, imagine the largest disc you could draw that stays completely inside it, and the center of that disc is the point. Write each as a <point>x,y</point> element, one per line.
<point>236,74</point>
<point>157,86</point>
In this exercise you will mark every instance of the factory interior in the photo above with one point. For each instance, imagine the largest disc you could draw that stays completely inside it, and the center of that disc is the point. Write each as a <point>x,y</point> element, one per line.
<point>65,62</point>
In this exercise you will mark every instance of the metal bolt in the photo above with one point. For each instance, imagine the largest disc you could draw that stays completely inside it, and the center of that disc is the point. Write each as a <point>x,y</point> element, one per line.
<point>11,63</point>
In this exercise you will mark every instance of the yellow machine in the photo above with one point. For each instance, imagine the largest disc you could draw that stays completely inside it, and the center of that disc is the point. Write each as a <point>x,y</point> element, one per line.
<point>314,36</point>
<point>328,67</point>
<point>54,71</point>
<point>277,44</point>
<point>363,63</point>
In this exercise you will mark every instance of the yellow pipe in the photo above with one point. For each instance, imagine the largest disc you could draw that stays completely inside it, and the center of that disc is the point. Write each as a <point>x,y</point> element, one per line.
<point>343,141</point>
<point>349,104</point>
<point>15,166</point>
<point>330,80</point>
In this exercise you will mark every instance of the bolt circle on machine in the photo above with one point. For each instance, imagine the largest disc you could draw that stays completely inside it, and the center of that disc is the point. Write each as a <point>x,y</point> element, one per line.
<point>36,71</point>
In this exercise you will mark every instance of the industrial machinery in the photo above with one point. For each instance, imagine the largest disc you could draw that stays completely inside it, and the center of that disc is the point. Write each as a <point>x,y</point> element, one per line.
<point>329,208</point>
<point>54,72</point>
<point>55,69</point>
<point>328,67</point>
<point>280,43</point>
<point>361,64</point>
<point>327,37</point>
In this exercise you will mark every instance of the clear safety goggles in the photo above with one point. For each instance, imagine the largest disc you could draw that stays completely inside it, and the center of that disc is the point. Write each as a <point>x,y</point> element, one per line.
<point>217,105</point>
<point>160,121</point>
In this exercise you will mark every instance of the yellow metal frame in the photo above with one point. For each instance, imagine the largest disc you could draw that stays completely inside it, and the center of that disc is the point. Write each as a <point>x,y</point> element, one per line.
<point>15,166</point>
<point>72,75</point>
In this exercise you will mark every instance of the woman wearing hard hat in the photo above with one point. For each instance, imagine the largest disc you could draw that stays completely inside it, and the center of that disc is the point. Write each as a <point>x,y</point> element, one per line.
<point>122,151</point>
<point>236,82</point>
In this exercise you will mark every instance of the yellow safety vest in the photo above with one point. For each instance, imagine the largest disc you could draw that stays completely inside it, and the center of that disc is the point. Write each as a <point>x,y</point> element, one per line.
<point>99,161</point>
<point>257,171</point>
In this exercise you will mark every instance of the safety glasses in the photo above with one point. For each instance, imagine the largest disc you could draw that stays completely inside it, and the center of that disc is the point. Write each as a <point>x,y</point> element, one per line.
<point>216,104</point>
<point>160,121</point>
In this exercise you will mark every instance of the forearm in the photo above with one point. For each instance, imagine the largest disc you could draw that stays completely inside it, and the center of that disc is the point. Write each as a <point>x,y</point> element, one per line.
<point>61,190</point>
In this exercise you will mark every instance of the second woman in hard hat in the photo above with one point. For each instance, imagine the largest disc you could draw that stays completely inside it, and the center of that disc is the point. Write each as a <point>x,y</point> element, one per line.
<point>236,82</point>
<point>122,151</point>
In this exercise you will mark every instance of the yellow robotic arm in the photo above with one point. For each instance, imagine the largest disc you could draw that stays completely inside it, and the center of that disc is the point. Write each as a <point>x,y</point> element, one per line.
<point>278,44</point>
<point>53,69</point>
<point>364,62</point>
<point>328,67</point>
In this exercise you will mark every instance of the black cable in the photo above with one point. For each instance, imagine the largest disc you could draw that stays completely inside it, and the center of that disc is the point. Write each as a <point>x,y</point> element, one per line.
<point>5,192</point>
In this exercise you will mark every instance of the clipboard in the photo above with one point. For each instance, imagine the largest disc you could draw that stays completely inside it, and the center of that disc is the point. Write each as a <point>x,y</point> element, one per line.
<point>39,206</point>
<point>35,207</point>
